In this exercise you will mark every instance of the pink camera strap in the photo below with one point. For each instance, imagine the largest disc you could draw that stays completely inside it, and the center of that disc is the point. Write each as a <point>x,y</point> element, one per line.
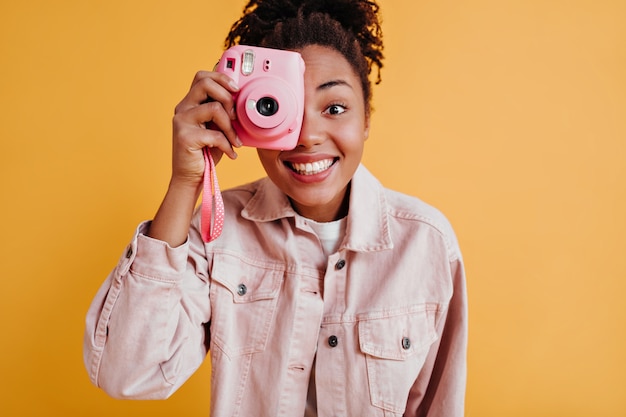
<point>212,210</point>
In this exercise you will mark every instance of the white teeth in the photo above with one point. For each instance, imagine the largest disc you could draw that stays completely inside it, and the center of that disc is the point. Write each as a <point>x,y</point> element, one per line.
<point>312,168</point>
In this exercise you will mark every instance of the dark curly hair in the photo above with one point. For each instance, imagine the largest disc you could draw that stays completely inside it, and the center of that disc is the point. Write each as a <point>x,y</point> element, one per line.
<point>352,27</point>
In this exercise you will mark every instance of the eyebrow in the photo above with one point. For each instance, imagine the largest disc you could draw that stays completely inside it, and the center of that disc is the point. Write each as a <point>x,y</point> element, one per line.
<point>332,83</point>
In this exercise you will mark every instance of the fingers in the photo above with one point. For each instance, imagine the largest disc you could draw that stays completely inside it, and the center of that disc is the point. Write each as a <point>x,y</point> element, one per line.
<point>210,86</point>
<point>207,124</point>
<point>209,104</point>
<point>203,119</point>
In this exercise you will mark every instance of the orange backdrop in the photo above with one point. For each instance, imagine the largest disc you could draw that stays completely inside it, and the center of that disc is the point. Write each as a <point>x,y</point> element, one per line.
<point>510,116</point>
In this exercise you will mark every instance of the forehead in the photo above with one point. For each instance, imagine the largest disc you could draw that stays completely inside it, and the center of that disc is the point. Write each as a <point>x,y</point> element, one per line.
<point>324,64</point>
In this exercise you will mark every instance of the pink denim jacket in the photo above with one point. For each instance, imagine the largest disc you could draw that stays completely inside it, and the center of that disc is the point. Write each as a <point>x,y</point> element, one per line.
<point>385,317</point>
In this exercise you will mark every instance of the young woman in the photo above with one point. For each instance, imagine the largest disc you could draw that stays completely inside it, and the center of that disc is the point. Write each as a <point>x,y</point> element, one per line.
<point>326,294</point>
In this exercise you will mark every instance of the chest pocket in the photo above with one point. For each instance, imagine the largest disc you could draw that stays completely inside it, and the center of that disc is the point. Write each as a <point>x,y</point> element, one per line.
<point>243,304</point>
<point>395,348</point>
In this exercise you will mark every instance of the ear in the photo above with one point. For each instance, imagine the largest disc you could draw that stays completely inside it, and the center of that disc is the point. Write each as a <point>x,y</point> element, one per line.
<point>366,132</point>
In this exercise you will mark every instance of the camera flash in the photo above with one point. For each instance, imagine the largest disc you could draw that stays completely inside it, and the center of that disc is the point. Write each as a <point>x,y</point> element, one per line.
<point>247,64</point>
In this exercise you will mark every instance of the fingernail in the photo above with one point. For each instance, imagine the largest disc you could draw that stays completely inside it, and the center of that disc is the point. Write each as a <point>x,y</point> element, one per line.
<point>238,142</point>
<point>233,85</point>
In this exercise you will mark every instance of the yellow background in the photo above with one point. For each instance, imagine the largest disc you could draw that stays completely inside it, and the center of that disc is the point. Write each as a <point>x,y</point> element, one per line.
<point>510,116</point>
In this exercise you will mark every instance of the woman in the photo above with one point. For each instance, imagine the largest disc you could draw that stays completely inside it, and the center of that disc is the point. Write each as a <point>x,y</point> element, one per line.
<point>326,294</point>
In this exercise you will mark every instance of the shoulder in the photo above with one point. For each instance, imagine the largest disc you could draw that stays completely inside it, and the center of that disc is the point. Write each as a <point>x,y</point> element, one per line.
<point>240,195</point>
<point>402,217</point>
<point>413,215</point>
<point>257,201</point>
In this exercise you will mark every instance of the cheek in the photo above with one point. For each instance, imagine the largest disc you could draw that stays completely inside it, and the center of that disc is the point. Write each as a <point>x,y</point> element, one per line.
<point>269,159</point>
<point>352,137</point>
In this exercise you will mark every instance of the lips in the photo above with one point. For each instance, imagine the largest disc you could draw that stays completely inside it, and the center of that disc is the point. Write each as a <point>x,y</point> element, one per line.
<point>310,168</point>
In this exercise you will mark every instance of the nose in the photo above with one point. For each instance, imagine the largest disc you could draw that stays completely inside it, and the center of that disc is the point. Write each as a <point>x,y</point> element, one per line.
<point>311,133</point>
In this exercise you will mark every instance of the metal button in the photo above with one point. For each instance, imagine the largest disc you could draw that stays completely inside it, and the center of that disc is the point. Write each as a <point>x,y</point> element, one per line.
<point>242,289</point>
<point>340,264</point>
<point>406,343</point>
<point>333,341</point>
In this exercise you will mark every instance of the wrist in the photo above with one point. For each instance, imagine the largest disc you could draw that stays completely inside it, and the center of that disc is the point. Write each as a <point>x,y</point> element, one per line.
<point>173,219</point>
<point>185,188</point>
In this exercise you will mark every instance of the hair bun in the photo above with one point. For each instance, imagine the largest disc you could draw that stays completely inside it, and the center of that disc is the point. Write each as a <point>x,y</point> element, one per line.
<point>360,18</point>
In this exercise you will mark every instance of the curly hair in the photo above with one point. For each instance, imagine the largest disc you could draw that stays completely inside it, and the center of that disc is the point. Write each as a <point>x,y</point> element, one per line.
<point>352,27</point>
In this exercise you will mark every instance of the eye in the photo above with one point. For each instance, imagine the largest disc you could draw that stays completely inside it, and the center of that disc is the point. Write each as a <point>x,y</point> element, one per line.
<point>335,109</point>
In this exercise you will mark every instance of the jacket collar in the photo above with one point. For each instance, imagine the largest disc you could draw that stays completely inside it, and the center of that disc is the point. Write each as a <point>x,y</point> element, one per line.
<point>368,222</point>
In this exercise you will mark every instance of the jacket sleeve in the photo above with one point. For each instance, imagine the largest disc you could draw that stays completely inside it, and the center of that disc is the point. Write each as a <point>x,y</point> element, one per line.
<point>146,327</point>
<point>439,390</point>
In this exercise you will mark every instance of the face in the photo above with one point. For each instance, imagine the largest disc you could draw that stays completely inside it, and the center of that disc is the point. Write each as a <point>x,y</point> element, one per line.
<point>316,174</point>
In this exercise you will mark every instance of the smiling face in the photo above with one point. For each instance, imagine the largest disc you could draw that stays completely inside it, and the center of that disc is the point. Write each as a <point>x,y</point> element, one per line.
<point>317,173</point>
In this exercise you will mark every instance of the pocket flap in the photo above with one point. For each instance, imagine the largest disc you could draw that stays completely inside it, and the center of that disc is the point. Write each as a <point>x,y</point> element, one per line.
<point>400,335</point>
<point>247,281</point>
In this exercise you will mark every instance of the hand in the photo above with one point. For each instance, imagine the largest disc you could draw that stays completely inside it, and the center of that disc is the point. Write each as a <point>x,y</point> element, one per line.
<point>208,102</point>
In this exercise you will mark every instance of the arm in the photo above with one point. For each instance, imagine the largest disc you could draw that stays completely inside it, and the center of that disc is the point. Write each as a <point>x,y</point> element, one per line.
<point>439,390</point>
<point>145,330</point>
<point>209,100</point>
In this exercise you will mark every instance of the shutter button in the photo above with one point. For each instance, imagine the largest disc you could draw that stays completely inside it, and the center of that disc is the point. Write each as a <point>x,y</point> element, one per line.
<point>333,341</point>
<point>242,289</point>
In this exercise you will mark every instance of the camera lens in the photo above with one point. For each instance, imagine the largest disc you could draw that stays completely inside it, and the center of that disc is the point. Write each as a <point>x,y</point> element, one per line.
<point>267,106</point>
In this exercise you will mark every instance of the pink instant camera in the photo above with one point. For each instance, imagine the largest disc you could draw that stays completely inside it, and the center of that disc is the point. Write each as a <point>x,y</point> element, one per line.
<point>270,101</point>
